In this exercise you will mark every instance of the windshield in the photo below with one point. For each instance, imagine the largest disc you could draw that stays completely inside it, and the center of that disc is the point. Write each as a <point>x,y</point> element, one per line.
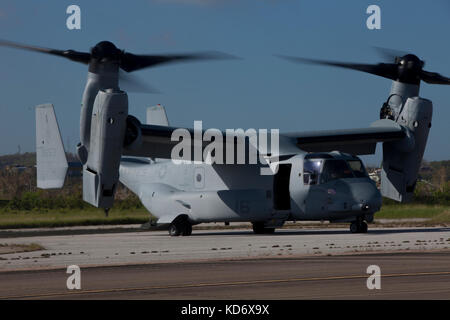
<point>319,171</point>
<point>335,169</point>
<point>311,171</point>
<point>357,168</point>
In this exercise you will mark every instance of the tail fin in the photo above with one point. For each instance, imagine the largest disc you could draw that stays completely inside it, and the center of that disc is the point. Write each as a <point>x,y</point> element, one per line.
<point>157,115</point>
<point>51,161</point>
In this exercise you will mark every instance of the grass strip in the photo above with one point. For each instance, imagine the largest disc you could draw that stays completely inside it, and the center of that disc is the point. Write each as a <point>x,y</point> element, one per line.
<point>94,217</point>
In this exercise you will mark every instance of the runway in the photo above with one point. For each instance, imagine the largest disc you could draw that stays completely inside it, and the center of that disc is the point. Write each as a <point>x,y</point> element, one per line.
<point>304,263</point>
<point>118,246</point>
<point>403,276</point>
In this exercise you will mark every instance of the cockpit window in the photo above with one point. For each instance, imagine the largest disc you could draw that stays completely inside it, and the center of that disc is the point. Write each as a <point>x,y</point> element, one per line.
<point>319,171</point>
<point>357,168</point>
<point>335,169</point>
<point>311,171</point>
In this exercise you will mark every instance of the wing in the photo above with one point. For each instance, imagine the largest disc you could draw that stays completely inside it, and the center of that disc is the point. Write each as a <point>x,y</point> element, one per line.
<point>354,141</point>
<point>156,141</point>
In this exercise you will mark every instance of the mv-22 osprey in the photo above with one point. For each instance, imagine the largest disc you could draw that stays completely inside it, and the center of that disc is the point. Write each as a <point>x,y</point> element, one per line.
<point>318,175</point>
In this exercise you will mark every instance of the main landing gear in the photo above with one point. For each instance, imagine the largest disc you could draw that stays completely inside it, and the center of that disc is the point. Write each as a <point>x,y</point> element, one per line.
<point>358,226</point>
<point>258,228</point>
<point>180,227</point>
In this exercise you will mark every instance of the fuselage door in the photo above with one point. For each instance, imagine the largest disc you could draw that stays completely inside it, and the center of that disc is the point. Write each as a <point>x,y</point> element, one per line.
<point>281,195</point>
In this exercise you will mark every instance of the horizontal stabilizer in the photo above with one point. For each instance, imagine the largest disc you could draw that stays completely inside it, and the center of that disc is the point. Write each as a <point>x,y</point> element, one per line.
<point>51,161</point>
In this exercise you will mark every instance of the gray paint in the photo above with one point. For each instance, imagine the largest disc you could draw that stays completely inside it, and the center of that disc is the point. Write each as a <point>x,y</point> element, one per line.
<point>238,192</point>
<point>401,161</point>
<point>51,159</point>
<point>157,115</point>
<point>94,83</point>
<point>101,172</point>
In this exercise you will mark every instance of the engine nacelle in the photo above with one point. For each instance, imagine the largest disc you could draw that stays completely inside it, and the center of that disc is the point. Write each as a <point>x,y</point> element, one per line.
<point>108,126</point>
<point>402,159</point>
<point>133,135</point>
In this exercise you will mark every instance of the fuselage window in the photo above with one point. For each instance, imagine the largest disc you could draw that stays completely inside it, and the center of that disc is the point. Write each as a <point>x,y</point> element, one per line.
<point>357,168</point>
<point>311,171</point>
<point>319,171</point>
<point>335,169</point>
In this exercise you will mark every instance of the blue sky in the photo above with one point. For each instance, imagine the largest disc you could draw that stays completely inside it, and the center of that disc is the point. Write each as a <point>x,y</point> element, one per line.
<point>259,91</point>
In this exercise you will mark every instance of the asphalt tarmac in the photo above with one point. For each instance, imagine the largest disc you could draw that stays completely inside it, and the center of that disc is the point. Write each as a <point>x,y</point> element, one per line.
<point>119,246</point>
<point>403,276</point>
<point>304,263</point>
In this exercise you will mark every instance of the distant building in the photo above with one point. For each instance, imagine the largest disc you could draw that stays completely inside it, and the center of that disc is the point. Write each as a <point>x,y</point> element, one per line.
<point>16,168</point>
<point>375,175</point>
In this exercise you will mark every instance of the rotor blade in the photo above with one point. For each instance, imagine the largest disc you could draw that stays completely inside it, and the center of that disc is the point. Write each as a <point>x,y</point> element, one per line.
<point>132,83</point>
<point>385,70</point>
<point>434,78</point>
<point>132,62</point>
<point>69,54</point>
<point>390,54</point>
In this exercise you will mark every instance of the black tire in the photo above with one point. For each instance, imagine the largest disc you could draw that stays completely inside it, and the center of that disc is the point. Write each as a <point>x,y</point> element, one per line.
<point>187,230</point>
<point>174,230</point>
<point>358,227</point>
<point>180,227</point>
<point>258,228</point>
<point>364,227</point>
<point>354,227</point>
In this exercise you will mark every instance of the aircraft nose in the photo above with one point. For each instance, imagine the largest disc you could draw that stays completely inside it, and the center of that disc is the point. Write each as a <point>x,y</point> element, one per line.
<point>363,195</point>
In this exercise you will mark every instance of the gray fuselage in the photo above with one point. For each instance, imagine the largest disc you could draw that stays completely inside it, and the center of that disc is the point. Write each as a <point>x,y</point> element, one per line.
<point>227,193</point>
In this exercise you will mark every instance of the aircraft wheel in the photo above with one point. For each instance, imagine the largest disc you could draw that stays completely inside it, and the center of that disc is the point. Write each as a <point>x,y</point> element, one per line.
<point>364,227</point>
<point>180,227</point>
<point>354,227</point>
<point>258,228</point>
<point>187,230</point>
<point>174,230</point>
<point>358,227</point>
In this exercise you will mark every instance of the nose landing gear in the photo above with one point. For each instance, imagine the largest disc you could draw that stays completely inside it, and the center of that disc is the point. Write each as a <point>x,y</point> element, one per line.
<point>358,226</point>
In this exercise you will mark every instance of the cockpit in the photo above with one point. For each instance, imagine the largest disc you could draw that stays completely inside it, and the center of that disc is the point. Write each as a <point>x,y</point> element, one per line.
<point>323,168</point>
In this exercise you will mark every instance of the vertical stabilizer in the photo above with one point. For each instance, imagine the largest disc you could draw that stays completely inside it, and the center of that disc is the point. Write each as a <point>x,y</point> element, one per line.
<point>51,161</point>
<point>156,115</point>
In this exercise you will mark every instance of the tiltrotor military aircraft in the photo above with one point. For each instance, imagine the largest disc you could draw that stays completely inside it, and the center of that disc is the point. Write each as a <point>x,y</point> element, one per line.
<point>317,175</point>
